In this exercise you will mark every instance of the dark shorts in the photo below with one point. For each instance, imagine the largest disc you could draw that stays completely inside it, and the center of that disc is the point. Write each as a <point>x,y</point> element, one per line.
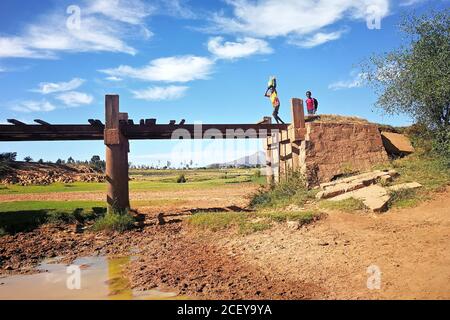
<point>311,112</point>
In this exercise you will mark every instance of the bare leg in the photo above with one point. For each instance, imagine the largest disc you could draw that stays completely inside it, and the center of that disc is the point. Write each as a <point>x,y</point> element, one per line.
<point>276,117</point>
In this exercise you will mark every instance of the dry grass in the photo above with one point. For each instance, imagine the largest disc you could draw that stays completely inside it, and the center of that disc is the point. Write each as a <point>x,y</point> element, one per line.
<point>338,119</point>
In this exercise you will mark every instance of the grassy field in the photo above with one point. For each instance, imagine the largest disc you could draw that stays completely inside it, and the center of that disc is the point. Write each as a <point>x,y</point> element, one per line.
<point>150,180</point>
<point>25,215</point>
<point>247,222</point>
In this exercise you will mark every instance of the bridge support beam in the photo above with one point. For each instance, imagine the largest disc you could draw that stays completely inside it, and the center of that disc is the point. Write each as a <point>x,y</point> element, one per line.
<point>297,131</point>
<point>117,148</point>
<point>283,148</point>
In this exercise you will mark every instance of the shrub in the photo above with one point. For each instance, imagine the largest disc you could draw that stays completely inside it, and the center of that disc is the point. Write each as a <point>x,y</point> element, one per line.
<point>77,215</point>
<point>293,190</point>
<point>247,222</point>
<point>181,178</point>
<point>441,145</point>
<point>2,232</point>
<point>403,198</point>
<point>114,221</point>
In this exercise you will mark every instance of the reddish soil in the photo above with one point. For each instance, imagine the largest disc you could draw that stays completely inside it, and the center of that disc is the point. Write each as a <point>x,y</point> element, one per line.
<point>326,260</point>
<point>411,247</point>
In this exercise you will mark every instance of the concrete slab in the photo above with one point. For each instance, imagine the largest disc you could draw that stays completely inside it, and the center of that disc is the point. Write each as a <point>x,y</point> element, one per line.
<point>374,197</point>
<point>395,143</point>
<point>345,185</point>
<point>410,185</point>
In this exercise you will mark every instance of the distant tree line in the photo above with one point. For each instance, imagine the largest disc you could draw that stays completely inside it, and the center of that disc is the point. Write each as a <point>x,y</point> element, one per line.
<point>8,158</point>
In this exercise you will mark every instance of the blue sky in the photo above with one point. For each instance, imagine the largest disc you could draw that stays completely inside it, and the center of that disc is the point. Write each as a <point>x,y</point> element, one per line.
<point>199,60</point>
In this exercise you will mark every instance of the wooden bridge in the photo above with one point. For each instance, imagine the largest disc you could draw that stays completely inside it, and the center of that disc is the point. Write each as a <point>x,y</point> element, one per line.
<point>282,140</point>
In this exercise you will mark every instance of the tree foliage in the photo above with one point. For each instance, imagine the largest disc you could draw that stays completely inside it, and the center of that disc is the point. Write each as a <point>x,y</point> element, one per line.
<point>8,156</point>
<point>415,79</point>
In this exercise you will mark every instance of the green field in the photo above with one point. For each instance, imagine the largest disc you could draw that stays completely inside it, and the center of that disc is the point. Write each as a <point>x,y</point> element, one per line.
<point>162,180</point>
<point>25,215</point>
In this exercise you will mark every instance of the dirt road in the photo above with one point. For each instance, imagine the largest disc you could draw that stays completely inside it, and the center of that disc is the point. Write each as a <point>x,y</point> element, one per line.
<point>411,248</point>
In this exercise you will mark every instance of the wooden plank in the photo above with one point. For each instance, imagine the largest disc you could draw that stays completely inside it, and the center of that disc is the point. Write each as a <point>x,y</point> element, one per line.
<point>16,122</point>
<point>276,156</point>
<point>298,113</point>
<point>49,133</point>
<point>265,120</point>
<point>283,154</point>
<point>60,132</point>
<point>112,112</point>
<point>288,156</point>
<point>42,122</point>
<point>268,149</point>
<point>96,123</point>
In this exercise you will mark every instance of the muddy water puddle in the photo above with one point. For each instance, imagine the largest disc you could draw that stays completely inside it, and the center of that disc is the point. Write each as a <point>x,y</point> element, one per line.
<point>86,278</point>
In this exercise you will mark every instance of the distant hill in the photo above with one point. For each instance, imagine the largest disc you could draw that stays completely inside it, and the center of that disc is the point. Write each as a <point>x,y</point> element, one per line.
<point>256,159</point>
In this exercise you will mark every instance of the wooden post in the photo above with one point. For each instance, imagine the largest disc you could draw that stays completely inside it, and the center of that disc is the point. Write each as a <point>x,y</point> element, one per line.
<point>116,156</point>
<point>269,158</point>
<point>282,153</point>
<point>297,131</point>
<point>298,114</point>
<point>276,156</point>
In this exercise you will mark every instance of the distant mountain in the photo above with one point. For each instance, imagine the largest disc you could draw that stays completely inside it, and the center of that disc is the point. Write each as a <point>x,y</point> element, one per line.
<point>258,158</point>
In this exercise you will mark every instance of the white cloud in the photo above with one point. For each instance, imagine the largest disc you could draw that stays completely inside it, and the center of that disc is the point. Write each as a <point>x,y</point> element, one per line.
<point>33,106</point>
<point>169,69</point>
<point>356,82</point>
<point>17,47</point>
<point>128,11</point>
<point>74,98</point>
<point>317,39</point>
<point>407,3</point>
<point>242,48</point>
<point>175,8</point>
<point>161,93</point>
<point>293,18</point>
<point>112,78</point>
<point>103,27</point>
<point>52,87</point>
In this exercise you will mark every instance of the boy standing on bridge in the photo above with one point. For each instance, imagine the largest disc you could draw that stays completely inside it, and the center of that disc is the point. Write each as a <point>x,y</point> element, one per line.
<point>311,104</point>
<point>271,93</point>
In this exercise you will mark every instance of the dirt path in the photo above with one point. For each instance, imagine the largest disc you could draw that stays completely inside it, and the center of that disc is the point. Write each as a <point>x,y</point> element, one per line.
<point>411,248</point>
<point>235,192</point>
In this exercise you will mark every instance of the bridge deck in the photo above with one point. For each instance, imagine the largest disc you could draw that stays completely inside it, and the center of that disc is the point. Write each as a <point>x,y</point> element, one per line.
<point>18,131</point>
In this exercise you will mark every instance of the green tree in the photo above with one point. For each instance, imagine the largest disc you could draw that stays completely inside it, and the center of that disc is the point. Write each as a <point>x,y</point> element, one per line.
<point>27,159</point>
<point>415,79</point>
<point>97,163</point>
<point>8,156</point>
